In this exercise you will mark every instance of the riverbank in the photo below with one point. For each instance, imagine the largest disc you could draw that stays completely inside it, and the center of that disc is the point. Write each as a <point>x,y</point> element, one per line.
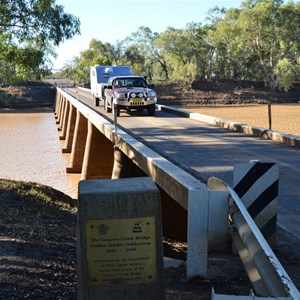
<point>30,95</point>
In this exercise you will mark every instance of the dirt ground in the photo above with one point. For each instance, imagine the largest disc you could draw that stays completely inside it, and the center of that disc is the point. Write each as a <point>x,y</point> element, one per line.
<point>38,251</point>
<point>38,231</point>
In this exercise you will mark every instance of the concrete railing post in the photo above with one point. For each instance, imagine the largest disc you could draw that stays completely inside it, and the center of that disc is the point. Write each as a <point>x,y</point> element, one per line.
<point>197,233</point>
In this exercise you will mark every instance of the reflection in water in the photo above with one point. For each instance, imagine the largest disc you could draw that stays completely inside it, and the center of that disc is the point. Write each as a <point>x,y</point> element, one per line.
<point>30,150</point>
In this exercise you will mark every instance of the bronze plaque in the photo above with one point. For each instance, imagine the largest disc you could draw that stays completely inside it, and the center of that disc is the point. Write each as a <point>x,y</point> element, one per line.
<point>121,251</point>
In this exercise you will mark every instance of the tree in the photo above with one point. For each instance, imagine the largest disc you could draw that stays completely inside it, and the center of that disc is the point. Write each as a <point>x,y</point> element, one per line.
<point>180,52</point>
<point>28,31</point>
<point>27,19</point>
<point>271,30</point>
<point>145,41</point>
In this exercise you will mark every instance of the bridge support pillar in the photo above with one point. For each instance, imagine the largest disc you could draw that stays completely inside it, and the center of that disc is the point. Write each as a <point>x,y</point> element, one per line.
<point>78,145</point>
<point>57,104</point>
<point>124,167</point>
<point>61,114</point>
<point>174,216</point>
<point>98,156</point>
<point>65,121</point>
<point>60,106</point>
<point>70,130</point>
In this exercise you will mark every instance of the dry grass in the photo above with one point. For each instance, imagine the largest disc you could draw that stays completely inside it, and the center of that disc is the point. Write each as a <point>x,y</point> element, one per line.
<point>285,117</point>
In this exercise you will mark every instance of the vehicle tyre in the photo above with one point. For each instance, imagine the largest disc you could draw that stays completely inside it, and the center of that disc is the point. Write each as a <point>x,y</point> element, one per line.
<point>151,110</point>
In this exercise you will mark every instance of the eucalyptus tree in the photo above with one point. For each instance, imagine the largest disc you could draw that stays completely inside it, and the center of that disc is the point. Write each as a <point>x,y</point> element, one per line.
<point>270,30</point>
<point>144,40</point>
<point>178,49</point>
<point>136,60</point>
<point>29,28</point>
<point>98,53</point>
<point>203,51</point>
<point>27,19</point>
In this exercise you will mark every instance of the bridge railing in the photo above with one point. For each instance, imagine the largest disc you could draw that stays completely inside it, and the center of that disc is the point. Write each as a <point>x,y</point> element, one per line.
<point>266,273</point>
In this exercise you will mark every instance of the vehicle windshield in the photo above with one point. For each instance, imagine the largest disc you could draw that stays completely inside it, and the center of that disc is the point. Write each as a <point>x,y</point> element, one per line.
<point>130,82</point>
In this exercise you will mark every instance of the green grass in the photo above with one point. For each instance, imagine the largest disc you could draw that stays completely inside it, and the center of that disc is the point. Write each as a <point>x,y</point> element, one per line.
<point>39,192</point>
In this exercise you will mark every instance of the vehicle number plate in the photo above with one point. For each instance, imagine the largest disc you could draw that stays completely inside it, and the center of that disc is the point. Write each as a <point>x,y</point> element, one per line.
<point>137,100</point>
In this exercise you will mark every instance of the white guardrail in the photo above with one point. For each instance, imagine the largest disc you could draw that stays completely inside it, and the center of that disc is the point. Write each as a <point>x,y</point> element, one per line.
<point>266,273</point>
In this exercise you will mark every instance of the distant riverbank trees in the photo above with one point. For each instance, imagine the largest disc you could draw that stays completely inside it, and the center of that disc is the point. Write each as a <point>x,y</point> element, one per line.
<point>28,31</point>
<point>259,41</point>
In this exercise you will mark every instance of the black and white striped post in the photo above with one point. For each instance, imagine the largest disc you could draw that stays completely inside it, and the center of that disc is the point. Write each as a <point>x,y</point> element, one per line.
<point>256,183</point>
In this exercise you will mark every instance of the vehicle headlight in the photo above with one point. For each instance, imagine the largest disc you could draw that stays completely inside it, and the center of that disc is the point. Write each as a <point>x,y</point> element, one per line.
<point>151,94</point>
<point>121,95</point>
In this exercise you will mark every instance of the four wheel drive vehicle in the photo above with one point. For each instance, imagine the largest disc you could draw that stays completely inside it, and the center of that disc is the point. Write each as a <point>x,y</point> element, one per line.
<point>129,93</point>
<point>99,77</point>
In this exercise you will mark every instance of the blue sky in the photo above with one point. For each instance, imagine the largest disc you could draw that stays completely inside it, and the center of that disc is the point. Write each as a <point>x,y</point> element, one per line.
<point>111,21</point>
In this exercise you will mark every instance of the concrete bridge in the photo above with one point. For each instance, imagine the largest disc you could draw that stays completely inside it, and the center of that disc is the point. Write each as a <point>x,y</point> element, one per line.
<point>99,152</point>
<point>189,208</point>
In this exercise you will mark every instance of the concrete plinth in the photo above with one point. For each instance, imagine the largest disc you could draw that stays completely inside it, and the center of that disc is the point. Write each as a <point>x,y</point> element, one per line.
<point>119,252</point>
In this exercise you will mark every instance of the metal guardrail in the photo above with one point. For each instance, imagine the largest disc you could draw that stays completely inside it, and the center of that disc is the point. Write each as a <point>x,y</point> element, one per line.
<point>266,273</point>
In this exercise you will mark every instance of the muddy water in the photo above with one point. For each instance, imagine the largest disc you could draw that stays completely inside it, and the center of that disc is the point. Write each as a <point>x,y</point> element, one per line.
<point>30,150</point>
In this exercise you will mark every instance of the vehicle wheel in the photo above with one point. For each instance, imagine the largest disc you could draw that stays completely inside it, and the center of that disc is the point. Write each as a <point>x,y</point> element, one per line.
<point>151,110</point>
<point>96,101</point>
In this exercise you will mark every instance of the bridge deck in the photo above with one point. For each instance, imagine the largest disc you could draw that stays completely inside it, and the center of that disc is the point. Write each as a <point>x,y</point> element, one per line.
<point>205,150</point>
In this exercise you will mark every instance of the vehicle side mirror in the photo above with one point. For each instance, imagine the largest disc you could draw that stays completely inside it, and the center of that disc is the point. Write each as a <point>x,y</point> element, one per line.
<point>151,86</point>
<point>109,86</point>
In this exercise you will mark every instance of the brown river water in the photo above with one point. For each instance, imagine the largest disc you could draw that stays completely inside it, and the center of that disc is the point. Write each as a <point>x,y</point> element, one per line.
<point>30,150</point>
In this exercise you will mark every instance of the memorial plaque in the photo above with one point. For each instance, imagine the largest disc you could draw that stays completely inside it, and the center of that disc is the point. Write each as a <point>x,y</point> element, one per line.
<point>119,240</point>
<point>121,251</point>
